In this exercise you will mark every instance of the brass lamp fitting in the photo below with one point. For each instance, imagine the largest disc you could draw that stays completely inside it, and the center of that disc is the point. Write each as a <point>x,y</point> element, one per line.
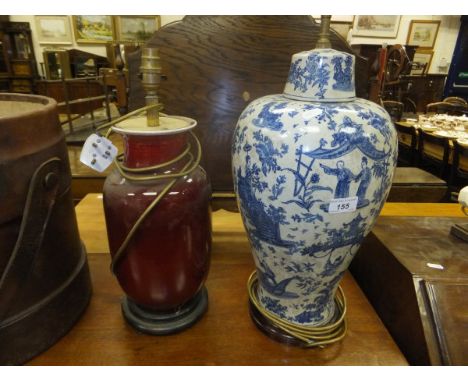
<point>151,78</point>
<point>324,35</point>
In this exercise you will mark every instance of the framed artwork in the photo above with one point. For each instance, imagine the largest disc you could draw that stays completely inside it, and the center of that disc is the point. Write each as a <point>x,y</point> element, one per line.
<point>422,59</point>
<point>53,30</point>
<point>93,29</point>
<point>337,18</point>
<point>423,33</point>
<point>376,26</point>
<point>136,28</point>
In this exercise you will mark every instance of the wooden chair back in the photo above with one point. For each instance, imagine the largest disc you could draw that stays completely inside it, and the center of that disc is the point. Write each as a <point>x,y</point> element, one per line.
<point>459,169</point>
<point>216,65</point>
<point>407,144</point>
<point>456,101</point>
<point>394,108</point>
<point>434,153</point>
<point>446,108</point>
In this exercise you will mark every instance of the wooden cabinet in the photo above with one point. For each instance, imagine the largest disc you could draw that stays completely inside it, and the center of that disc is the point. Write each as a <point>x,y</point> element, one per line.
<point>418,286</point>
<point>4,66</point>
<point>72,63</point>
<point>57,64</point>
<point>414,91</point>
<point>423,90</point>
<point>18,69</point>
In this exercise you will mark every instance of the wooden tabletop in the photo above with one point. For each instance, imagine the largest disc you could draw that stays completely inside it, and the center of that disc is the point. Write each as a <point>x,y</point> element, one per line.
<point>226,334</point>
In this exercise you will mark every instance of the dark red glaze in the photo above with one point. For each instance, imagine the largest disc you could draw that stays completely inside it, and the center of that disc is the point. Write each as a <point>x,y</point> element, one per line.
<point>145,151</point>
<point>167,261</point>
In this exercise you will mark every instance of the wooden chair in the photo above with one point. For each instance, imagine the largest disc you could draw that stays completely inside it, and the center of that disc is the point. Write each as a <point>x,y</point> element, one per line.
<point>80,103</point>
<point>407,145</point>
<point>216,65</point>
<point>409,105</point>
<point>456,101</point>
<point>446,108</point>
<point>459,168</point>
<point>434,154</point>
<point>213,66</point>
<point>394,108</point>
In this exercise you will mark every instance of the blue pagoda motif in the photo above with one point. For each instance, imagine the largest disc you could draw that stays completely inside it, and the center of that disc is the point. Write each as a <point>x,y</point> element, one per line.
<point>265,221</point>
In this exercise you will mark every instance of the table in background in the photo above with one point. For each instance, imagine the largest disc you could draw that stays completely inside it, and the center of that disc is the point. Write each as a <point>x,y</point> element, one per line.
<point>412,184</point>
<point>225,335</point>
<point>462,136</point>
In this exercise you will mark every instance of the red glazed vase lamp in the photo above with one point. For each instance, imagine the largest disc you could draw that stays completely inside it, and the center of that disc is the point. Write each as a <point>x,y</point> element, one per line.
<point>158,217</point>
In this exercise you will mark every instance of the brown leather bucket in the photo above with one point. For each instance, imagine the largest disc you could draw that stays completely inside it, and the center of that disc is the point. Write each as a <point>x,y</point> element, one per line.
<point>44,275</point>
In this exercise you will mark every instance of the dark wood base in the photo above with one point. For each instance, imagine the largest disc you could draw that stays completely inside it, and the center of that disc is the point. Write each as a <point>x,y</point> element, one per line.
<point>276,333</point>
<point>271,330</point>
<point>154,323</point>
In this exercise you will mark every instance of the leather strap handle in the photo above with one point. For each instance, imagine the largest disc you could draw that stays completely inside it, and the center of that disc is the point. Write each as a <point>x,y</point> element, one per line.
<point>43,189</point>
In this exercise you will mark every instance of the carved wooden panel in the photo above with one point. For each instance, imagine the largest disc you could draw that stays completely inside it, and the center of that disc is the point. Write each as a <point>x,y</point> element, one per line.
<point>216,65</point>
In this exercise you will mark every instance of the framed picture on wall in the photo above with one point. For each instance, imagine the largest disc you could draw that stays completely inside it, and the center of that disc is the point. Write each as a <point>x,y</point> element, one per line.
<point>136,28</point>
<point>341,28</point>
<point>376,26</point>
<point>421,62</point>
<point>93,29</point>
<point>423,33</point>
<point>337,18</point>
<point>53,30</point>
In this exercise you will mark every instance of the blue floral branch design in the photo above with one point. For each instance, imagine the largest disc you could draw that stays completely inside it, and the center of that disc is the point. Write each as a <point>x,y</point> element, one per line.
<point>267,153</point>
<point>315,73</point>
<point>278,187</point>
<point>306,184</point>
<point>328,113</point>
<point>378,122</point>
<point>274,306</point>
<point>239,139</point>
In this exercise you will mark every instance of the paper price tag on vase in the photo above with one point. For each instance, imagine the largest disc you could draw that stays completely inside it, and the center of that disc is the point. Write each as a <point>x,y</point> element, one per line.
<point>342,205</point>
<point>98,152</point>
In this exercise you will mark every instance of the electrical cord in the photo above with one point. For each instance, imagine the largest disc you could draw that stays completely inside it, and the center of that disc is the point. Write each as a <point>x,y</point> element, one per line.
<point>128,174</point>
<point>309,335</point>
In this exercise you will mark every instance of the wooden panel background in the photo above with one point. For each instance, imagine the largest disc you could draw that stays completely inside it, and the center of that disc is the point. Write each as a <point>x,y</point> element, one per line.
<point>216,65</point>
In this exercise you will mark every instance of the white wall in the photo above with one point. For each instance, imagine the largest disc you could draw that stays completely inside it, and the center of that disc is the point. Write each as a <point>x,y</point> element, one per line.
<point>166,19</point>
<point>444,45</point>
<point>91,48</point>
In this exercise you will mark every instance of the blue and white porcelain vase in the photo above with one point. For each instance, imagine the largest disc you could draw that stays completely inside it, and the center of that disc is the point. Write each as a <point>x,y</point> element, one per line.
<point>312,168</point>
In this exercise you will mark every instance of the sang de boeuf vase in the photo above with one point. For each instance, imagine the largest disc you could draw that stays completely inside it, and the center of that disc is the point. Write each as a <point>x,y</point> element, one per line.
<point>312,168</point>
<point>165,265</point>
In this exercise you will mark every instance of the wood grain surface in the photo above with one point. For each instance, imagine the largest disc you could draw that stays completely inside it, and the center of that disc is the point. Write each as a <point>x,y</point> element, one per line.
<point>93,229</point>
<point>216,65</point>
<point>225,335</point>
<point>414,272</point>
<point>410,184</point>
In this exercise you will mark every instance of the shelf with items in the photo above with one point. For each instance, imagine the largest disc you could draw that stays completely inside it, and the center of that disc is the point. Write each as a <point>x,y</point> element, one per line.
<point>17,61</point>
<point>72,63</point>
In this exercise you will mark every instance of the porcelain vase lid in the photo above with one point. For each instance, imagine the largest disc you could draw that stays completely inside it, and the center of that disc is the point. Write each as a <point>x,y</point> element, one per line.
<point>325,75</point>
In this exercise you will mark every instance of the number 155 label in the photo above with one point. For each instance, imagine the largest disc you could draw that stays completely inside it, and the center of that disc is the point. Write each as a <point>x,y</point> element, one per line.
<point>341,205</point>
